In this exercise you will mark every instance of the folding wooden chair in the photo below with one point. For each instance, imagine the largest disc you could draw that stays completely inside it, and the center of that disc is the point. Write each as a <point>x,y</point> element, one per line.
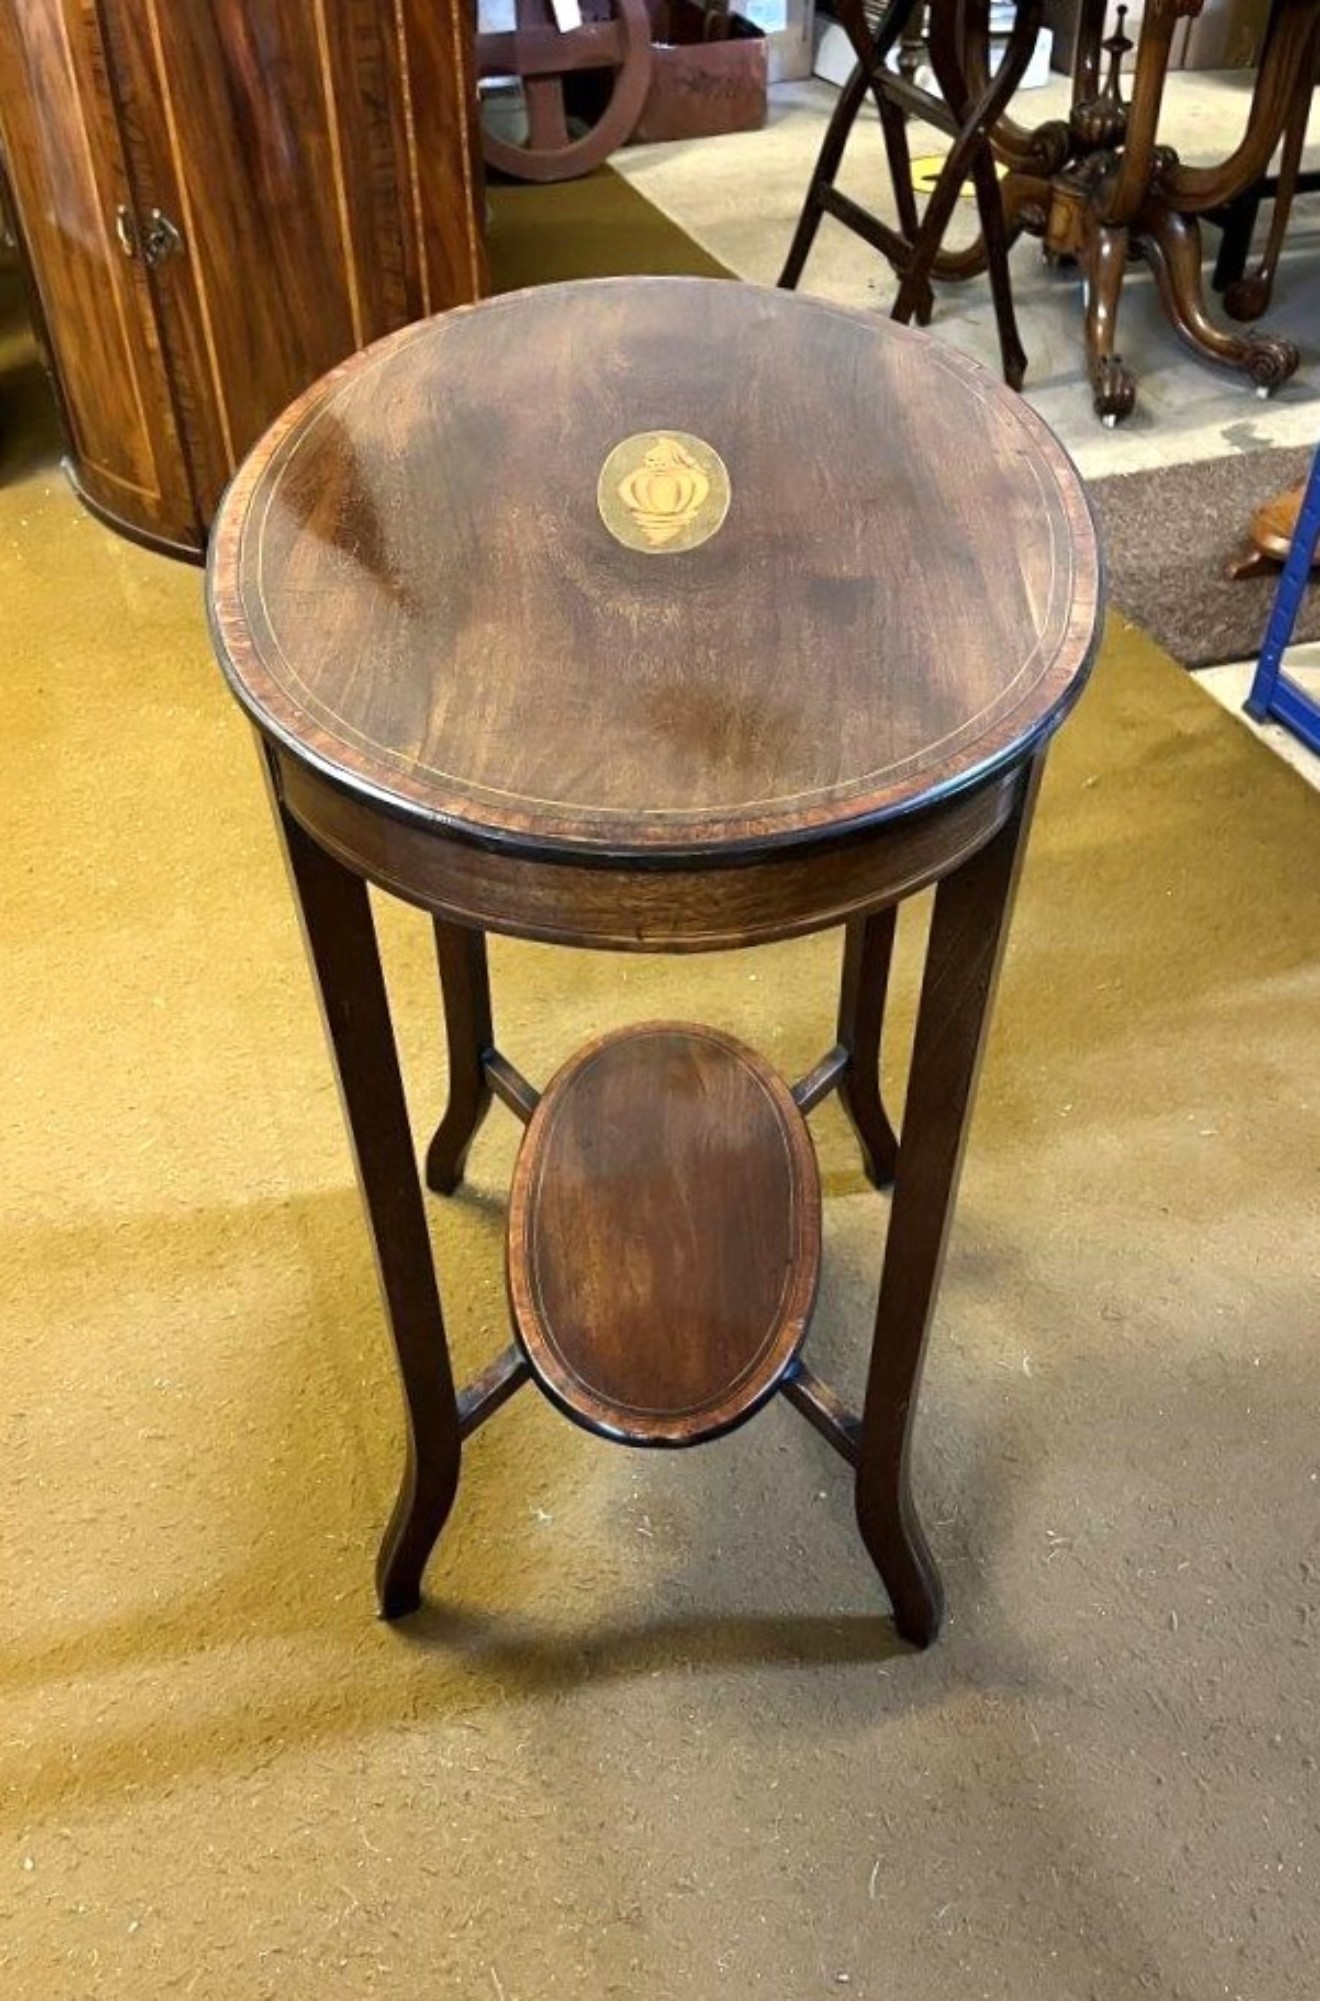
<point>972,101</point>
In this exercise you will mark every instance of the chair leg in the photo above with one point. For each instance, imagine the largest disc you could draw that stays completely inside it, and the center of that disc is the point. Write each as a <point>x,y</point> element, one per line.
<point>868,75</point>
<point>951,35</point>
<point>1247,297</point>
<point>1238,223</point>
<point>823,174</point>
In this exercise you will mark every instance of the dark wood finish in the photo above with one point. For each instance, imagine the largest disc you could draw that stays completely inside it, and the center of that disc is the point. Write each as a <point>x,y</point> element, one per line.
<point>968,932</point>
<point>1248,295</point>
<point>791,712</point>
<point>868,950</point>
<point>317,168</point>
<point>510,1086</point>
<point>68,183</point>
<point>1122,193</point>
<point>491,1390</point>
<point>822,1078</point>
<point>497,568</point>
<point>664,1235</point>
<point>644,908</point>
<point>1099,188</point>
<point>341,943</point>
<point>470,1037</point>
<point>970,104</point>
<point>824,1410</point>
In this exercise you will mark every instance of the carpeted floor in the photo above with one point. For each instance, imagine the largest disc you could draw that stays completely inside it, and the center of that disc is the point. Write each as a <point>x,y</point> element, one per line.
<point>651,1734</point>
<point>1169,534</point>
<point>596,228</point>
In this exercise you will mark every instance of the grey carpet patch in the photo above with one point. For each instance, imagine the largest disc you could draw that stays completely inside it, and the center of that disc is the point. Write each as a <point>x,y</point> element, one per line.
<point>1168,536</point>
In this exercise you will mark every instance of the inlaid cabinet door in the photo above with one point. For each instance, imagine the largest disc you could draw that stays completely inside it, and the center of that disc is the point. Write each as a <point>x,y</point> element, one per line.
<point>74,206</point>
<point>290,145</point>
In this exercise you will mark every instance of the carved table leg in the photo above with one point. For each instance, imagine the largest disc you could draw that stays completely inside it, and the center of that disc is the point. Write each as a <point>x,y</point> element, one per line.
<point>465,991</point>
<point>1171,243</point>
<point>868,951</point>
<point>968,932</point>
<point>1113,386</point>
<point>341,942</point>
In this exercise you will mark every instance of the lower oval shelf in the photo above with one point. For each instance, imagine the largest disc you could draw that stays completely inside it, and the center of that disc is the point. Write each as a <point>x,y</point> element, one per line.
<point>664,1235</point>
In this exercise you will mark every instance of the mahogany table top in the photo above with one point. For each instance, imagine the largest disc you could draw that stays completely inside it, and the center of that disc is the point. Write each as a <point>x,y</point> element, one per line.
<point>649,568</point>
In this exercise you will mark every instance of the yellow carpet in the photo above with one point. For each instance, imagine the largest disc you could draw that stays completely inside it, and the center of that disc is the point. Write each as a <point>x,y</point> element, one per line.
<point>650,1736</point>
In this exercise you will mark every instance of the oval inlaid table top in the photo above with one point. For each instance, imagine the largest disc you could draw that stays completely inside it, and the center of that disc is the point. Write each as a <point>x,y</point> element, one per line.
<point>656,566</point>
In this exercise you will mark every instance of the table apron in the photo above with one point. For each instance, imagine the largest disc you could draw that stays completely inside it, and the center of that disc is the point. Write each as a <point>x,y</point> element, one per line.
<point>704,905</point>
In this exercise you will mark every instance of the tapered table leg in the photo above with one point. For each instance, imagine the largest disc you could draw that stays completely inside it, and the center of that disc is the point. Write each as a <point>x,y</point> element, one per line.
<point>968,931</point>
<point>868,950</point>
<point>465,991</point>
<point>345,958</point>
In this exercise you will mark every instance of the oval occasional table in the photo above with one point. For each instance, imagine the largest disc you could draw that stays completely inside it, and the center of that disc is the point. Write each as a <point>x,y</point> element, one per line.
<point>658,615</point>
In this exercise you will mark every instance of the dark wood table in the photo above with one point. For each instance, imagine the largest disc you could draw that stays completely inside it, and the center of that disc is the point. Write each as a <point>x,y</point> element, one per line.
<point>659,615</point>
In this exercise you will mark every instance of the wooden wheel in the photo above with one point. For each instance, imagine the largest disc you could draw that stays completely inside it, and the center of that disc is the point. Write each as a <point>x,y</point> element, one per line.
<point>544,57</point>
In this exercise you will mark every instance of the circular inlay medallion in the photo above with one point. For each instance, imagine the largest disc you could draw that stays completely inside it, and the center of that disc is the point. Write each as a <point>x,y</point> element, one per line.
<point>663,491</point>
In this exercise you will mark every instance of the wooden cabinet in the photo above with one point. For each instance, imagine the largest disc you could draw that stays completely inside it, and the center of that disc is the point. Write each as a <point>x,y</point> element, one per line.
<point>219,200</point>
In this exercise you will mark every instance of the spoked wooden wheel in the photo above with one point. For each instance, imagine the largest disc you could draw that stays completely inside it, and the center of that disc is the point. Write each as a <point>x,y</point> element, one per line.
<point>544,58</point>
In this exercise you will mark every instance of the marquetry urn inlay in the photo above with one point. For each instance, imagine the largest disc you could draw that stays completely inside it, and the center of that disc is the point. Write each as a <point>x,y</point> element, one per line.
<point>663,492</point>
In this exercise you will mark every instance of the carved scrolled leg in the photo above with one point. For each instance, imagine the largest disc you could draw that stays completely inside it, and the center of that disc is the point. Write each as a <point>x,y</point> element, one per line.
<point>967,936</point>
<point>465,992</point>
<point>1171,244</point>
<point>1113,385</point>
<point>868,952</point>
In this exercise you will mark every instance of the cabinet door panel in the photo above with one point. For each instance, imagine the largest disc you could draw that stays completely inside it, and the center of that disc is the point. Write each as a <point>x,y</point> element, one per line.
<point>227,116</point>
<point>68,183</point>
<point>284,137</point>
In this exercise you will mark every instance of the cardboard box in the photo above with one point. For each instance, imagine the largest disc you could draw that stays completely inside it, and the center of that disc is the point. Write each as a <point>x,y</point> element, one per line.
<point>789,27</point>
<point>701,88</point>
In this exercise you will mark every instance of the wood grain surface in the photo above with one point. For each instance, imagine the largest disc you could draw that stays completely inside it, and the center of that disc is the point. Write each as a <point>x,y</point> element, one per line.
<point>319,166</point>
<point>414,588</point>
<point>664,1234</point>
